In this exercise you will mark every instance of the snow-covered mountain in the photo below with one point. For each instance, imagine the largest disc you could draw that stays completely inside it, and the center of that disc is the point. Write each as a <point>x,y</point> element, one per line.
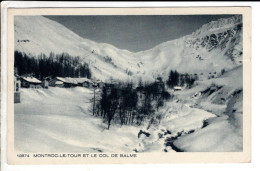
<point>37,34</point>
<point>214,46</point>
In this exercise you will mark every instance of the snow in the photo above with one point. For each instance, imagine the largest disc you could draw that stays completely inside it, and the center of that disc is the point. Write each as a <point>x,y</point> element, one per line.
<point>223,133</point>
<point>31,79</point>
<point>214,26</point>
<point>232,78</point>
<point>73,80</point>
<point>219,136</point>
<point>177,88</point>
<point>58,82</point>
<point>207,117</point>
<point>36,34</point>
<point>182,118</point>
<point>58,120</point>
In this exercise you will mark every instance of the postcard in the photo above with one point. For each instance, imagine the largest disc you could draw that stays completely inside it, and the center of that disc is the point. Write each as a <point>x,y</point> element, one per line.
<point>128,85</point>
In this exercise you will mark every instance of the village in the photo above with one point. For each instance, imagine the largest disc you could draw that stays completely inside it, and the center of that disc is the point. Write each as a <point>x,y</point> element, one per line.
<point>29,81</point>
<point>62,82</point>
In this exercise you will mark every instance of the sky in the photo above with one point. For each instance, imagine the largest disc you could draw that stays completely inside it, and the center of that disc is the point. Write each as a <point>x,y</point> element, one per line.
<point>134,33</point>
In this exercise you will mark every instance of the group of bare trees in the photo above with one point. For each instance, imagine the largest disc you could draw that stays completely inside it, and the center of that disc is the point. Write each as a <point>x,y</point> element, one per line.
<point>125,105</point>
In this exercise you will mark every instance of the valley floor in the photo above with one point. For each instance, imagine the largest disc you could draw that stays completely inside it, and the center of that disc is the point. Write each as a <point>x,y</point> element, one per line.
<point>59,120</point>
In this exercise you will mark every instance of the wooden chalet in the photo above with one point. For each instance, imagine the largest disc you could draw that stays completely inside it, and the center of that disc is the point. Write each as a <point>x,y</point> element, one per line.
<point>30,82</point>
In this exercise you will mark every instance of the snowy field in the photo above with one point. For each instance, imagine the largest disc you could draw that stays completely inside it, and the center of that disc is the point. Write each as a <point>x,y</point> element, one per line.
<point>60,120</point>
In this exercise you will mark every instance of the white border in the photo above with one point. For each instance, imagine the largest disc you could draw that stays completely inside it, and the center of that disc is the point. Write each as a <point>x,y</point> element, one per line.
<point>255,165</point>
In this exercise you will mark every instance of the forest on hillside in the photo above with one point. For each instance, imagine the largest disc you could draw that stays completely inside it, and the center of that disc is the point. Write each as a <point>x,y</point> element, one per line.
<point>62,65</point>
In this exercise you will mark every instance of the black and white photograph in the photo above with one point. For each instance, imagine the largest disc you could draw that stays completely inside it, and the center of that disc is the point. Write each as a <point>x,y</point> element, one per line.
<point>128,83</point>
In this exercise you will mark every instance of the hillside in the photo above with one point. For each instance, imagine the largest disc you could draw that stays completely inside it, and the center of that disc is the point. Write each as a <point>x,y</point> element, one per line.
<point>37,34</point>
<point>211,48</point>
<point>214,46</point>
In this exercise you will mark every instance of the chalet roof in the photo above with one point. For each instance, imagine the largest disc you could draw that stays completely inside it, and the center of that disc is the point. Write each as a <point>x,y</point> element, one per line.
<point>31,79</point>
<point>58,82</point>
<point>82,80</point>
<point>177,88</point>
<point>73,80</point>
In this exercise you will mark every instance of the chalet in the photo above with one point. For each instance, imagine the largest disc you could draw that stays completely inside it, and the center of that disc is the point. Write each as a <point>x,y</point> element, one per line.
<point>71,82</point>
<point>177,88</point>
<point>62,82</point>
<point>84,82</point>
<point>17,85</point>
<point>57,84</point>
<point>30,82</point>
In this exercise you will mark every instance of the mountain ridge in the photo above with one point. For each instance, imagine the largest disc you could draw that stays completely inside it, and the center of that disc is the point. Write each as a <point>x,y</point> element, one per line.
<point>214,46</point>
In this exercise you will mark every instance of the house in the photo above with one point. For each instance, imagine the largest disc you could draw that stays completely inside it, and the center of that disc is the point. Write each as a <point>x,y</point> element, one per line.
<point>30,82</point>
<point>84,82</point>
<point>17,85</point>
<point>56,82</point>
<point>177,88</point>
<point>62,82</point>
<point>68,82</point>
<point>71,82</point>
<point>59,84</point>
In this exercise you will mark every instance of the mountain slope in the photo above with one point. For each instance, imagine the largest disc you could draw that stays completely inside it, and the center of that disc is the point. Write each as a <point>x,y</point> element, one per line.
<point>37,34</point>
<point>214,46</point>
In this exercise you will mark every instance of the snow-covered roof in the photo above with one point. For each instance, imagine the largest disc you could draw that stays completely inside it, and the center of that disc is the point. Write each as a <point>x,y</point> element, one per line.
<point>58,82</point>
<point>61,79</point>
<point>31,79</point>
<point>177,88</point>
<point>82,80</point>
<point>73,80</point>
